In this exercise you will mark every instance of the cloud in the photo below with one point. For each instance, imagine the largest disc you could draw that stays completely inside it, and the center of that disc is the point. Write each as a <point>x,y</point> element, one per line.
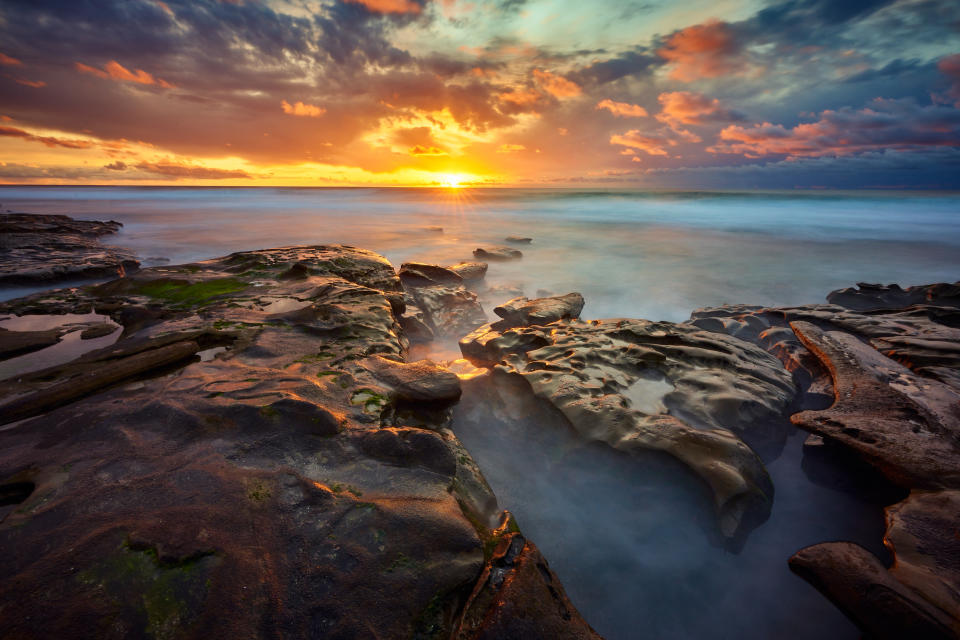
<point>117,71</point>
<point>8,61</point>
<point>36,84</point>
<point>50,141</point>
<point>636,63</point>
<point>950,67</point>
<point>389,6</point>
<point>557,86</point>
<point>176,171</point>
<point>688,108</point>
<point>301,109</point>
<point>704,50</point>
<point>622,109</point>
<point>511,148</point>
<point>887,124</point>
<point>653,144</point>
<point>420,150</point>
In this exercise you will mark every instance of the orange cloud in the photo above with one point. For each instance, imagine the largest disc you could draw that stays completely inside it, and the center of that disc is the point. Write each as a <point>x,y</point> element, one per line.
<point>520,97</point>
<point>116,71</point>
<point>687,108</point>
<point>420,150</point>
<point>301,109</point>
<point>50,141</point>
<point>652,144</point>
<point>557,86</point>
<point>511,148</point>
<point>36,84</point>
<point>622,109</point>
<point>704,50</point>
<point>389,6</point>
<point>182,170</point>
<point>8,61</point>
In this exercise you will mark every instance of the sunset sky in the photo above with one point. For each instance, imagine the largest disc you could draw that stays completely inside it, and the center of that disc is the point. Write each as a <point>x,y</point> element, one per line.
<point>646,93</point>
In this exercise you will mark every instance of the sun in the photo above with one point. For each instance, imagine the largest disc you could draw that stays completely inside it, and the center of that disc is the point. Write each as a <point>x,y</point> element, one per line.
<point>451,181</point>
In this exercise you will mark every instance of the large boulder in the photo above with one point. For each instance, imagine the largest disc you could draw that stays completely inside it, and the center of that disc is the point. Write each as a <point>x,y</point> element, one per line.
<point>253,458</point>
<point>643,386</point>
<point>497,253</point>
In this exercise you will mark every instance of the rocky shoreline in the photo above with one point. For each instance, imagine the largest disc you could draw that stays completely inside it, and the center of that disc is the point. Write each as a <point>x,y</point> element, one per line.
<point>257,441</point>
<point>52,248</point>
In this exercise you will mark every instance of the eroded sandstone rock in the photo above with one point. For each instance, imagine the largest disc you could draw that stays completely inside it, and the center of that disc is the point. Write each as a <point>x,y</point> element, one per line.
<point>253,444</point>
<point>644,386</point>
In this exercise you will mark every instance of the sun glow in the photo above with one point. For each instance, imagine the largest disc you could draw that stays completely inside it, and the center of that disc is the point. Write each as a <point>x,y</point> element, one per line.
<point>451,180</point>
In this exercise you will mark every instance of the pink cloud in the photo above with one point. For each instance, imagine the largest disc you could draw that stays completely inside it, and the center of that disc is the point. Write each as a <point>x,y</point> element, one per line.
<point>389,6</point>
<point>116,71</point>
<point>703,50</point>
<point>888,124</point>
<point>950,66</point>
<point>8,61</point>
<point>622,109</point>
<point>688,108</point>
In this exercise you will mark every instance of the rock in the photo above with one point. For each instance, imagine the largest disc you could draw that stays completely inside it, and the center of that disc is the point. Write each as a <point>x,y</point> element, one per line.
<point>15,343</point>
<point>872,297</point>
<point>449,311</point>
<point>414,322</point>
<point>518,240</point>
<point>471,272</point>
<point>48,248</point>
<point>418,274</point>
<point>854,580</point>
<point>644,386</point>
<point>885,365</point>
<point>516,577</point>
<point>97,331</point>
<point>421,381</point>
<point>496,253</point>
<point>521,312</point>
<point>906,426</point>
<point>304,480</point>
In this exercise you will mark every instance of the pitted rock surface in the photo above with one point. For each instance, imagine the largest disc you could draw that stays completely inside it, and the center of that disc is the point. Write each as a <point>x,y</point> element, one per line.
<point>638,386</point>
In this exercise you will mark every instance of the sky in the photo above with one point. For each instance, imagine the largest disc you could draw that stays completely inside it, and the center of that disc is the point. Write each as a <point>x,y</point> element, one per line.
<point>715,94</point>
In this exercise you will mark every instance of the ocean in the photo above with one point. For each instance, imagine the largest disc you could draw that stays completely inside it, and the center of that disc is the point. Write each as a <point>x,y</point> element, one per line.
<point>632,546</point>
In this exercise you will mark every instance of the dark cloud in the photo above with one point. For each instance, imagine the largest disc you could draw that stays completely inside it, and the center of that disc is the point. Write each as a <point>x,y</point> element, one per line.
<point>639,62</point>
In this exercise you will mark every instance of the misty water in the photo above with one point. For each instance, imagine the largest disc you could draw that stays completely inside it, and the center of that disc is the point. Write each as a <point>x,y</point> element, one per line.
<point>635,544</point>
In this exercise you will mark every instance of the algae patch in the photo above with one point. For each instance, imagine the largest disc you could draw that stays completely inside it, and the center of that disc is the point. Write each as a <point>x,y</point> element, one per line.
<point>190,293</point>
<point>164,596</point>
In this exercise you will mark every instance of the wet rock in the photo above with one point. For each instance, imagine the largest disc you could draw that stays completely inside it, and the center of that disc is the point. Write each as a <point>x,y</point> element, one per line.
<point>97,331</point>
<point>518,240</point>
<point>854,580</point>
<point>496,253</point>
<point>421,381</point>
<point>418,274</point>
<point>903,424</point>
<point>48,248</point>
<point>644,386</point>
<point>414,322</point>
<point>471,272</point>
<point>449,311</point>
<point>521,312</point>
<point>872,297</point>
<point>15,343</point>
<point>292,480</point>
<point>519,596</point>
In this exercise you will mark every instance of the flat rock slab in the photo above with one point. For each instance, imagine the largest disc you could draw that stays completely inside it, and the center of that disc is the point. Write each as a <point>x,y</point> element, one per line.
<point>518,240</point>
<point>419,274</point>
<point>48,248</point>
<point>497,253</point>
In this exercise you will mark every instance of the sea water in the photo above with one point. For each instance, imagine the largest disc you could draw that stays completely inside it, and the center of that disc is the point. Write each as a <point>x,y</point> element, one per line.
<point>633,546</point>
